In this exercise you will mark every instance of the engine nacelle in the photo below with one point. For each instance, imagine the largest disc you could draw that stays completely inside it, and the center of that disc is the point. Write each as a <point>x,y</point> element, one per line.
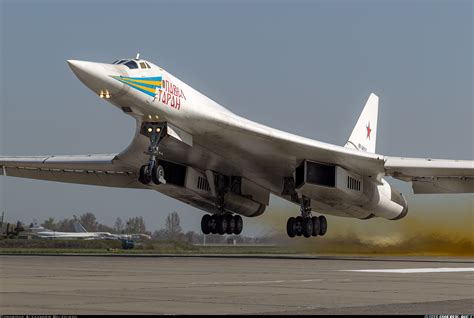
<point>238,204</point>
<point>191,186</point>
<point>388,202</point>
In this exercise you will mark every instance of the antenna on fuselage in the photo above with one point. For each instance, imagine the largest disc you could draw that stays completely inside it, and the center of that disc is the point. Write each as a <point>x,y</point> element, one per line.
<point>138,56</point>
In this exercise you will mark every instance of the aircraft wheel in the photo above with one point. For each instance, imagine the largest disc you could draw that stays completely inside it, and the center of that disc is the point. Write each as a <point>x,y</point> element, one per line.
<point>144,176</point>
<point>307,227</point>
<point>239,224</point>
<point>221,224</point>
<point>315,220</point>
<point>323,225</point>
<point>206,224</point>
<point>298,225</point>
<point>158,174</point>
<point>291,227</point>
<point>213,224</point>
<point>230,224</point>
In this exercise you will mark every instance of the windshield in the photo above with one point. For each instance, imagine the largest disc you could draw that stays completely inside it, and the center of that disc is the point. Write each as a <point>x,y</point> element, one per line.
<point>119,61</point>
<point>131,64</point>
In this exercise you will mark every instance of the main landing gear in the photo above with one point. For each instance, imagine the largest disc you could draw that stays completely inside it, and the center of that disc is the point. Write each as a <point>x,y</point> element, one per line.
<point>153,171</point>
<point>221,224</point>
<point>306,224</point>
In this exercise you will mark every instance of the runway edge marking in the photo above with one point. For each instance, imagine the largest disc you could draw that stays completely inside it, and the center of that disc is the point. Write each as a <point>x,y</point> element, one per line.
<point>414,270</point>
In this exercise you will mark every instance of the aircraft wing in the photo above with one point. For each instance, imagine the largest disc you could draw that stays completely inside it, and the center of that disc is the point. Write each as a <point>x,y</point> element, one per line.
<point>101,170</point>
<point>433,175</point>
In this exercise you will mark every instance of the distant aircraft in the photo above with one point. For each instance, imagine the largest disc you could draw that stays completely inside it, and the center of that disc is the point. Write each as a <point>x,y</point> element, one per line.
<point>41,232</point>
<point>190,148</point>
<point>79,228</point>
<point>81,233</point>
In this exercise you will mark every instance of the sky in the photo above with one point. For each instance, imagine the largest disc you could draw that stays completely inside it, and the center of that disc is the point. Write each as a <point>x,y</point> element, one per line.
<point>305,67</point>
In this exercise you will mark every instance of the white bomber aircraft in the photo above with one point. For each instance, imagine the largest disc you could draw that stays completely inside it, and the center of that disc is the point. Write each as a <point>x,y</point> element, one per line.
<point>44,233</point>
<point>110,236</point>
<point>191,148</point>
<point>81,233</point>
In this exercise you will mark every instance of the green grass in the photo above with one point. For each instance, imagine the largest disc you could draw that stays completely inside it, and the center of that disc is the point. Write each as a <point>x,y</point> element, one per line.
<point>114,247</point>
<point>339,246</point>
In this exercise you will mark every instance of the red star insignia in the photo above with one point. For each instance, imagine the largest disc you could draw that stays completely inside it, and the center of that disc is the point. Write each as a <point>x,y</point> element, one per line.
<point>368,130</point>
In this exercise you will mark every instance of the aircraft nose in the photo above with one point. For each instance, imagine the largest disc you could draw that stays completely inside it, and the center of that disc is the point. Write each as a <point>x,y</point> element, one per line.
<point>85,71</point>
<point>98,77</point>
<point>77,66</point>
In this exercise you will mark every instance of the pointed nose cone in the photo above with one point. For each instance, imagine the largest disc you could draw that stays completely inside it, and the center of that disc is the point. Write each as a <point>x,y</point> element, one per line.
<point>90,73</point>
<point>83,69</point>
<point>97,76</point>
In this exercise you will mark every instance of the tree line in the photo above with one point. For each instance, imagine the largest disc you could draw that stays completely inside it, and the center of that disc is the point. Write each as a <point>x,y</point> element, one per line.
<point>90,223</point>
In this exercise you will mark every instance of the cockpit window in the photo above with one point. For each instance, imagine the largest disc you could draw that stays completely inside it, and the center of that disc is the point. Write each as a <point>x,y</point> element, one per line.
<point>119,61</point>
<point>131,65</point>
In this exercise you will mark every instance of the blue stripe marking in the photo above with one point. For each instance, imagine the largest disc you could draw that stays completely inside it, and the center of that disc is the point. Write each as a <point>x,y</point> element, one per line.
<point>143,78</point>
<point>121,79</point>
<point>143,91</point>
<point>142,84</point>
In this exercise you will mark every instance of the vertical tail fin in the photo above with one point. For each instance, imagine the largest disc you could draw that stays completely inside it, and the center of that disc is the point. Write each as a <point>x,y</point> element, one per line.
<point>364,135</point>
<point>79,228</point>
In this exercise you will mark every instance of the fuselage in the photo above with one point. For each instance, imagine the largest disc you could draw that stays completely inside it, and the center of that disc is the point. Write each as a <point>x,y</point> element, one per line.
<point>147,92</point>
<point>41,232</point>
<point>44,233</point>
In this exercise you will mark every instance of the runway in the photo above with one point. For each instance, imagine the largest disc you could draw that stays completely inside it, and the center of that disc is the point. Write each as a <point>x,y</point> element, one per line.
<point>233,285</point>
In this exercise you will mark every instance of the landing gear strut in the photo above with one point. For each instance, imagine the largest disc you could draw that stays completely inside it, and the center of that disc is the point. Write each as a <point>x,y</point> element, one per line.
<point>153,171</point>
<point>221,224</point>
<point>305,224</point>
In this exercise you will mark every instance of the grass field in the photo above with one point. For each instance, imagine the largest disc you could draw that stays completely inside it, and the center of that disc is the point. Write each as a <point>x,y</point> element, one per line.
<point>147,247</point>
<point>298,247</point>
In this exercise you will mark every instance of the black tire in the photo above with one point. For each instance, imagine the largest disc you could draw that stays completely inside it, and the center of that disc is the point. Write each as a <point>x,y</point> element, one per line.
<point>239,224</point>
<point>298,225</point>
<point>315,220</point>
<point>323,225</point>
<point>221,224</point>
<point>144,176</point>
<point>290,227</point>
<point>157,172</point>
<point>307,227</point>
<point>230,224</point>
<point>206,224</point>
<point>213,224</point>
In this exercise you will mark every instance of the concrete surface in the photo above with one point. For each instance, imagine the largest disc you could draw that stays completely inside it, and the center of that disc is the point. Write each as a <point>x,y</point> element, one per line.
<point>231,285</point>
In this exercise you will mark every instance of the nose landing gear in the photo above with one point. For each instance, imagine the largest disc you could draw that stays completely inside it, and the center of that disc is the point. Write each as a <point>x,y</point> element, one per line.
<point>153,171</point>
